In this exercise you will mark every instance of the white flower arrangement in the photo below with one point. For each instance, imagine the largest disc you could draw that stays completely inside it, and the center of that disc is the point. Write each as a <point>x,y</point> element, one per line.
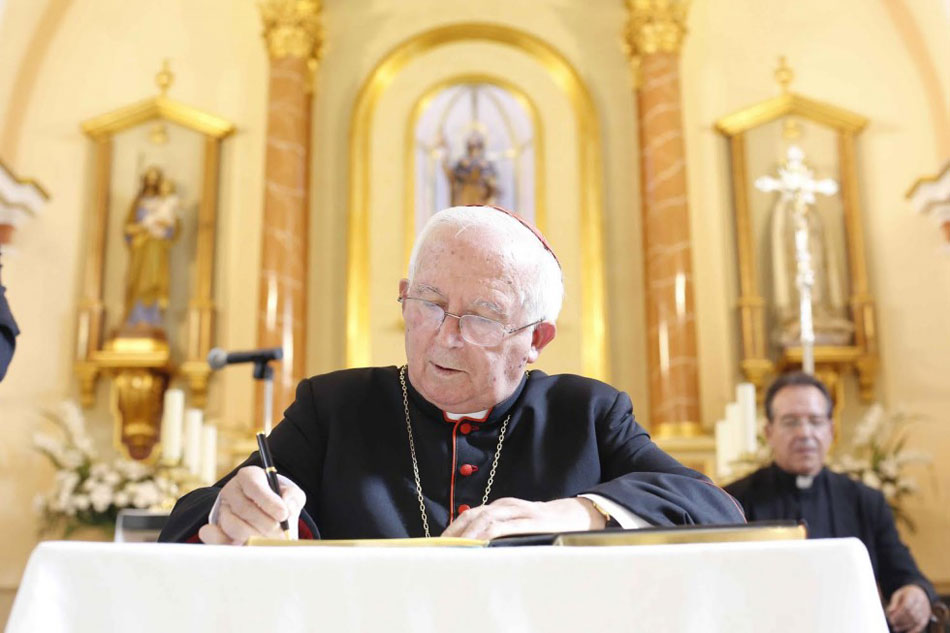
<point>876,457</point>
<point>90,492</point>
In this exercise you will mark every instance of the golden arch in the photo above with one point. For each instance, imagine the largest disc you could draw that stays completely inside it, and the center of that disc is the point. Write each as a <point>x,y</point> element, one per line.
<point>593,317</point>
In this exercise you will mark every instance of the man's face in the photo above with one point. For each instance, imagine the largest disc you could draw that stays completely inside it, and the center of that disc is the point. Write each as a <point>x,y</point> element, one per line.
<point>800,432</point>
<point>465,275</point>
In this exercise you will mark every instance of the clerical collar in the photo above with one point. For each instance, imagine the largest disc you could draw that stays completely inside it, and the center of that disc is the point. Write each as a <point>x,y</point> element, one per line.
<point>793,481</point>
<point>803,482</point>
<point>495,414</point>
<point>478,416</point>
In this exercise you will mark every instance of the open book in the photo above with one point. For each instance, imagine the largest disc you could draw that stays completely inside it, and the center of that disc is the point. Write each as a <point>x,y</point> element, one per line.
<point>762,531</point>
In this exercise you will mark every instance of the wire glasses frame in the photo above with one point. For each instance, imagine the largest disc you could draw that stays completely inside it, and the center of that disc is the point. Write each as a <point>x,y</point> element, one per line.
<point>477,330</point>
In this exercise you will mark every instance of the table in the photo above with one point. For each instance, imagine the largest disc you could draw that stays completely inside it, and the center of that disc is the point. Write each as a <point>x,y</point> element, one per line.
<point>814,586</point>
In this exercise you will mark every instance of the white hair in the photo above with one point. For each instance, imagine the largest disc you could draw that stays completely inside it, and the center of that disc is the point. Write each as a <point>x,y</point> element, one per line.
<point>541,284</point>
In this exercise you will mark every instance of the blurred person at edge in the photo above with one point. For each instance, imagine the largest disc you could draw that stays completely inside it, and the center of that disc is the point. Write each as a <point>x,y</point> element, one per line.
<point>8,332</point>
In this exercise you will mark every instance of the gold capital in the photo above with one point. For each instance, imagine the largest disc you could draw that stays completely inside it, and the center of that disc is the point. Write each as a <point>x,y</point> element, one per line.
<point>293,28</point>
<point>653,26</point>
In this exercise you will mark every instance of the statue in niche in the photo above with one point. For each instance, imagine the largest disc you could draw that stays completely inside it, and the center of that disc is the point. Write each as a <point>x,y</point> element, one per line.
<point>150,229</point>
<point>831,325</point>
<point>473,179</point>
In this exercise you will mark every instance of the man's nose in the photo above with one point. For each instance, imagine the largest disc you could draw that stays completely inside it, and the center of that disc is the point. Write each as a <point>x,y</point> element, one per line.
<point>804,429</point>
<point>450,331</point>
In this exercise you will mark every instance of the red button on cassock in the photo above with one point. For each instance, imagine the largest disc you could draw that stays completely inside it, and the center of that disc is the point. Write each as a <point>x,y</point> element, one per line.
<point>465,428</point>
<point>468,469</point>
<point>464,507</point>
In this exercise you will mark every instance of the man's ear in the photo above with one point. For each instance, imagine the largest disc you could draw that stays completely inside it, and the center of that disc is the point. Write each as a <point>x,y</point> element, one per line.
<point>543,333</point>
<point>403,289</point>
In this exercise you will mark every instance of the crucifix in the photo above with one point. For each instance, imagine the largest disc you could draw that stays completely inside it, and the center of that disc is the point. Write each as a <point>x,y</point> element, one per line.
<point>797,185</point>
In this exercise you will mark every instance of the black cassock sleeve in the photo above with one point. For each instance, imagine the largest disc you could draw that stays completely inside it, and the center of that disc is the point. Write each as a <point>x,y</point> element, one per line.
<point>644,479</point>
<point>299,456</point>
<point>896,566</point>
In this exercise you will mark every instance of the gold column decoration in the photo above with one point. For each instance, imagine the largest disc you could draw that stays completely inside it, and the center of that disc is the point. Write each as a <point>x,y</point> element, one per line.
<point>293,34</point>
<point>201,305</point>
<point>654,34</point>
<point>654,27</point>
<point>831,361</point>
<point>139,364</point>
<point>294,29</point>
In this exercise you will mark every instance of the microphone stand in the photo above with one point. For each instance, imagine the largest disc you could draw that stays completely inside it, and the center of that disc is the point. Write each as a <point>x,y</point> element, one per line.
<point>263,371</point>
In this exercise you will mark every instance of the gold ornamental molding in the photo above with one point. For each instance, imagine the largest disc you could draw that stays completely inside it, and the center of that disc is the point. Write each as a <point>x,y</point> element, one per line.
<point>293,28</point>
<point>593,298</point>
<point>791,104</point>
<point>159,107</point>
<point>24,182</point>
<point>653,26</point>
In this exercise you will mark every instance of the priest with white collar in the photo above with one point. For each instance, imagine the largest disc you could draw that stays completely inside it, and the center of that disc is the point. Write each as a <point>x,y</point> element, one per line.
<point>798,486</point>
<point>463,440</point>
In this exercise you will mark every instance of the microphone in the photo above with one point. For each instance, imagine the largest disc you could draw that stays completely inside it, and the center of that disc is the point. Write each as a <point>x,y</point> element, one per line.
<point>218,358</point>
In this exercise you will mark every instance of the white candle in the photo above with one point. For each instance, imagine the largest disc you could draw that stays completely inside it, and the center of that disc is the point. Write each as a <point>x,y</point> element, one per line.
<point>193,419</point>
<point>209,453</point>
<point>722,448</point>
<point>172,413</point>
<point>745,397</point>
<point>734,426</point>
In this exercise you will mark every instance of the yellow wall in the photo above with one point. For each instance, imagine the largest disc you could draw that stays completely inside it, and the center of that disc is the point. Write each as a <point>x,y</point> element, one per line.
<point>90,57</point>
<point>62,61</point>
<point>852,54</point>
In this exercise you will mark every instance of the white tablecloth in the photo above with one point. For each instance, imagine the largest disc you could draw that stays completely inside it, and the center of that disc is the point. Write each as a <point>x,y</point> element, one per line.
<point>803,586</point>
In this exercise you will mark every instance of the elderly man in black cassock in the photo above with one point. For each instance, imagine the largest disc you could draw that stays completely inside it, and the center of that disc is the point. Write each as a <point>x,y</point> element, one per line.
<point>462,440</point>
<point>798,486</point>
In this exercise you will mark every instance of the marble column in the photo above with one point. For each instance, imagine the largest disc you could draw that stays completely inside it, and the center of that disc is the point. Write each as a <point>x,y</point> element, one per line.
<point>654,35</point>
<point>293,35</point>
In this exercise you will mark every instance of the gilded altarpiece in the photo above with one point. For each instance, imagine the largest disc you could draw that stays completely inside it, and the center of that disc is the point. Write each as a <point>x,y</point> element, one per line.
<point>146,313</point>
<point>781,150</point>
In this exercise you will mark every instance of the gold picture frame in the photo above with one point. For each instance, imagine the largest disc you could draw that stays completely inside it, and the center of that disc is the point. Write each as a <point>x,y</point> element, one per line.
<point>831,361</point>
<point>141,368</point>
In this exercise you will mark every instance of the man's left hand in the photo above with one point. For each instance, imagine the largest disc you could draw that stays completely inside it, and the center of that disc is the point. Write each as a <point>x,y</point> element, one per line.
<point>909,609</point>
<point>517,516</point>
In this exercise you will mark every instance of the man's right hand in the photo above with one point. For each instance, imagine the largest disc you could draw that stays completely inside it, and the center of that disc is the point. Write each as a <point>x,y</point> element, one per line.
<point>248,507</point>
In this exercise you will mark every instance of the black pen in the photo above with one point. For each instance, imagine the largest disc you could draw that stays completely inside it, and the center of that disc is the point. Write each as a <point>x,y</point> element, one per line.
<point>271,472</point>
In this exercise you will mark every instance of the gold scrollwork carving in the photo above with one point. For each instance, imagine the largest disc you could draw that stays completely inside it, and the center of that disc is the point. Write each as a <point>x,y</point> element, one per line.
<point>653,26</point>
<point>138,398</point>
<point>293,28</point>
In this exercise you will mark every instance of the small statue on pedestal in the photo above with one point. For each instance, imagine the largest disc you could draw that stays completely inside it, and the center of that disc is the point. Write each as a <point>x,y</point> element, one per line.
<point>473,179</point>
<point>150,230</point>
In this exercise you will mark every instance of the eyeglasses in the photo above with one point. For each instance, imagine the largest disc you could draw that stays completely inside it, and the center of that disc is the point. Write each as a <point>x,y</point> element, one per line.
<point>791,422</point>
<point>477,330</point>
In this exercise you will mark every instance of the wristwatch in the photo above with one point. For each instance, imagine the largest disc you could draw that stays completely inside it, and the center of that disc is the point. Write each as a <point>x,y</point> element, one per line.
<point>610,522</point>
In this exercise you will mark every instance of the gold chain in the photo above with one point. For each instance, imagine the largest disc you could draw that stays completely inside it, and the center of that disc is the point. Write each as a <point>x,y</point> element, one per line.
<point>415,462</point>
